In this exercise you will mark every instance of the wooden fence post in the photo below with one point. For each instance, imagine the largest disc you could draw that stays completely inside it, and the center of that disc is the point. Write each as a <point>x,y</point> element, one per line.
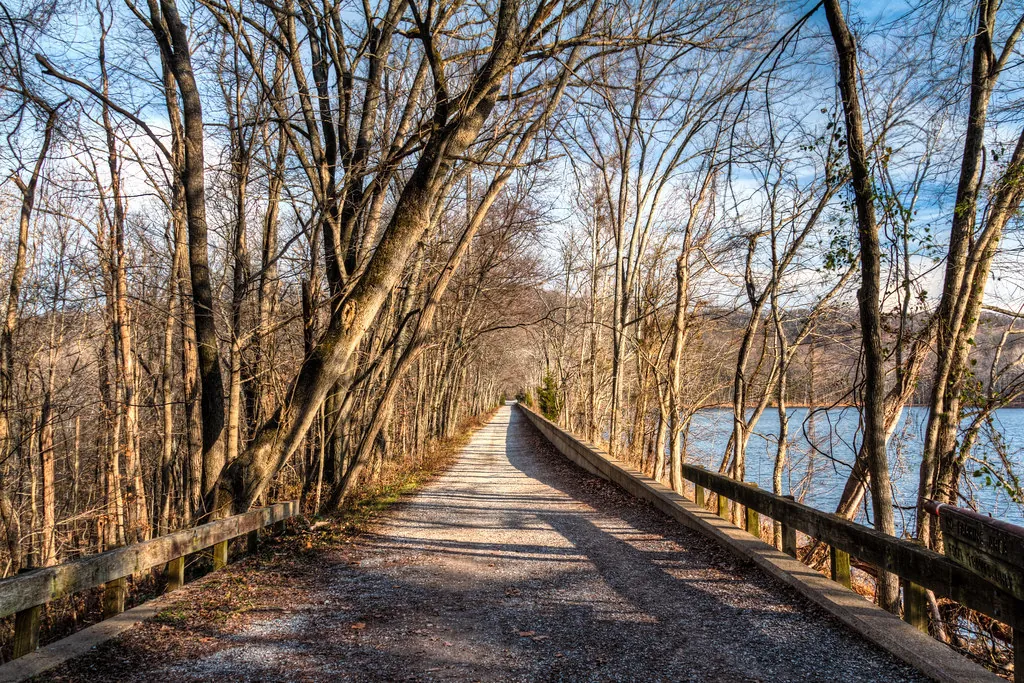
<point>698,495</point>
<point>26,626</point>
<point>840,566</point>
<point>175,573</point>
<point>26,631</point>
<point>753,519</point>
<point>252,542</point>
<point>915,606</point>
<point>113,597</point>
<point>789,537</point>
<point>723,506</point>
<point>220,555</point>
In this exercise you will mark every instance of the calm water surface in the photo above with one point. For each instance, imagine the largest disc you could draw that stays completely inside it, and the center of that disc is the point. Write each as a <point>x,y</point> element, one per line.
<point>820,476</point>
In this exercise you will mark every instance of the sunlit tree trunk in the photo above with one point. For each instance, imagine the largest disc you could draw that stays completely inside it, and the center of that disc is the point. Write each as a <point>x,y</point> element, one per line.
<point>868,297</point>
<point>137,520</point>
<point>28,189</point>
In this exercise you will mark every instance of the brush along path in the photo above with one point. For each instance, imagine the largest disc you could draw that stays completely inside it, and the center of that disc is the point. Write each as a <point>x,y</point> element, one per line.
<point>514,565</point>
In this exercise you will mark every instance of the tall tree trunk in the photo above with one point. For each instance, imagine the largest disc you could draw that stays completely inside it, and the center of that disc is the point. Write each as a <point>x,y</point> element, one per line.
<point>166,474</point>
<point>868,296</point>
<point>8,512</point>
<point>619,306</point>
<point>262,384</point>
<point>127,380</point>
<point>593,422</point>
<point>48,529</point>
<point>192,472</point>
<point>108,446</point>
<point>172,37</point>
<point>679,331</point>
<point>239,279</point>
<point>241,159</point>
<point>968,265</point>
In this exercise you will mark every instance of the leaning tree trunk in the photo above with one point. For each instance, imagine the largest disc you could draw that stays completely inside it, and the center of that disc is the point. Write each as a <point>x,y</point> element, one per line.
<point>967,269</point>
<point>245,479</point>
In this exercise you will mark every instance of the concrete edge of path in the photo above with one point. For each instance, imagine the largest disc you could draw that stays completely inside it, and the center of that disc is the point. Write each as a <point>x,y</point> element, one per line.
<point>81,642</point>
<point>879,627</point>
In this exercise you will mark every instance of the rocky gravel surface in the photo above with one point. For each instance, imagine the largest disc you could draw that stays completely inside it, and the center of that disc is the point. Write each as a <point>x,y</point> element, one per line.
<point>512,566</point>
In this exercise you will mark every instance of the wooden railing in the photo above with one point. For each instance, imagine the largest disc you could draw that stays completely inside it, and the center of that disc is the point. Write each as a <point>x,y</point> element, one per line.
<point>25,594</point>
<point>919,568</point>
<point>910,561</point>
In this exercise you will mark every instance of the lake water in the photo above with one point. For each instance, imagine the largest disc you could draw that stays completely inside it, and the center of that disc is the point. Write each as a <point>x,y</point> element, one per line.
<point>837,435</point>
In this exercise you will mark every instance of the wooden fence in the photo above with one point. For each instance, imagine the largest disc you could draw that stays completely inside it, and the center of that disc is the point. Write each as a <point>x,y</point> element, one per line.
<point>919,568</point>
<point>913,563</point>
<point>25,594</point>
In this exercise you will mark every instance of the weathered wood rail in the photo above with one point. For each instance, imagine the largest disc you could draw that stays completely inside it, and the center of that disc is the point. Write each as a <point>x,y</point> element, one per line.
<point>25,594</point>
<point>919,568</point>
<point>991,548</point>
<point>911,562</point>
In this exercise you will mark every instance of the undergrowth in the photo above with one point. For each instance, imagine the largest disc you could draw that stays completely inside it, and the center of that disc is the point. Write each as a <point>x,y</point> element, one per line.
<point>305,538</point>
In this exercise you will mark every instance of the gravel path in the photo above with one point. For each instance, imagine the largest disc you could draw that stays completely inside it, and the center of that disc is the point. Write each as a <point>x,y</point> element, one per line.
<point>516,566</point>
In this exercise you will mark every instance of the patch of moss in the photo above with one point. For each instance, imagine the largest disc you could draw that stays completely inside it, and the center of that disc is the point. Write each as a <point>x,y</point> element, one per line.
<point>172,616</point>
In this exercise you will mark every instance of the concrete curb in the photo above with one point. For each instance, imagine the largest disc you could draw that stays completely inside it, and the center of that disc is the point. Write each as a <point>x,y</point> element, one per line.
<point>879,627</point>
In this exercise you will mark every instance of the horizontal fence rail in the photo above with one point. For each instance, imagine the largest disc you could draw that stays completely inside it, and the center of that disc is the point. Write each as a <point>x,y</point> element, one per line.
<point>991,548</point>
<point>906,559</point>
<point>919,568</point>
<point>24,594</point>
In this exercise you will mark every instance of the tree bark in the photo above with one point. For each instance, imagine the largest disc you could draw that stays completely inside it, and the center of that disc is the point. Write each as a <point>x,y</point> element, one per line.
<point>245,479</point>
<point>172,37</point>
<point>868,296</point>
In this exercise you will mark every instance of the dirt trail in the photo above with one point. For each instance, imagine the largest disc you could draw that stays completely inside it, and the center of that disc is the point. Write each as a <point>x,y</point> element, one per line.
<point>516,566</point>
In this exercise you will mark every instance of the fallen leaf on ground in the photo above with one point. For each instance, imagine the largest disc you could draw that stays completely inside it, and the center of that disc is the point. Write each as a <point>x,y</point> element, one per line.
<point>526,634</point>
<point>359,625</point>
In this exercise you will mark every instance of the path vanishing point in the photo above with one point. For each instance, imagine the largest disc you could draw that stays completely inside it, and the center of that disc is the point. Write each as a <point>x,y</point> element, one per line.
<point>515,565</point>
